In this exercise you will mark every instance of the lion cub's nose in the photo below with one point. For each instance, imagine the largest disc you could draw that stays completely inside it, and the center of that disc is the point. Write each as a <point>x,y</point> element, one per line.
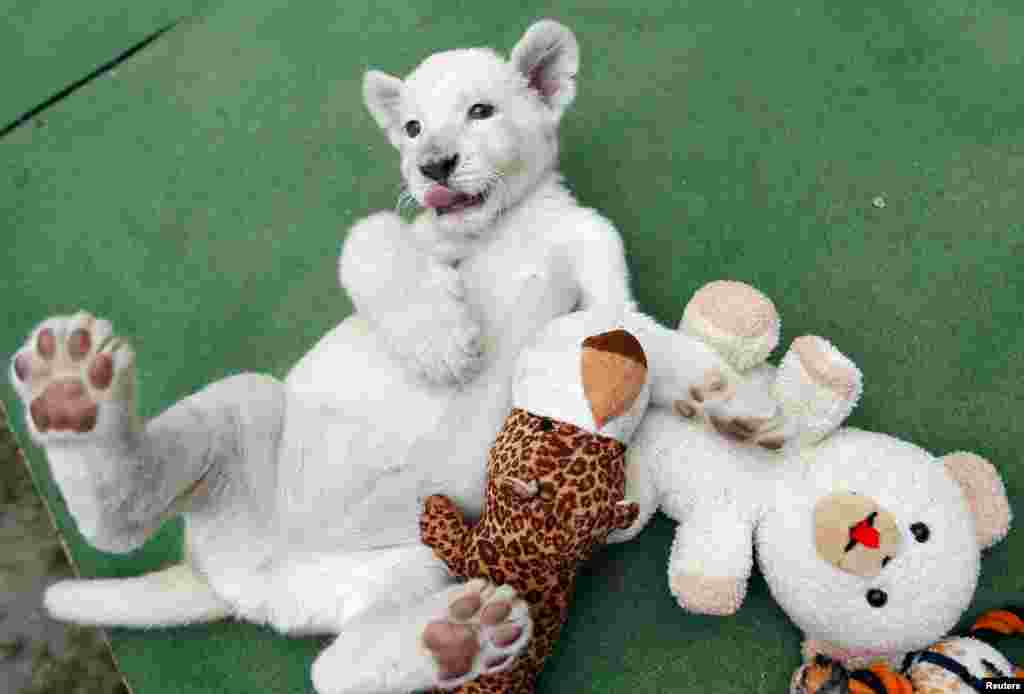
<point>440,169</point>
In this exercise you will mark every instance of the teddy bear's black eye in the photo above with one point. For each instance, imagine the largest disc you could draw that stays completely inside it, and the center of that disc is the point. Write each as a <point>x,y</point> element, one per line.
<point>921,532</point>
<point>412,128</point>
<point>546,425</point>
<point>877,598</point>
<point>481,111</point>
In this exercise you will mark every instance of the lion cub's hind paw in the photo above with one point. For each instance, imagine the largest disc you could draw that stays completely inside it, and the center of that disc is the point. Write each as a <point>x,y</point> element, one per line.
<point>481,633</point>
<point>68,373</point>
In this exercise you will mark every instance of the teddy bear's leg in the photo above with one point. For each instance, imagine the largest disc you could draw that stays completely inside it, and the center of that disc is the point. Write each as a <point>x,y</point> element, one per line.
<point>711,559</point>
<point>734,319</point>
<point>818,387</point>
<point>741,325</point>
<point>451,638</point>
<point>684,369</point>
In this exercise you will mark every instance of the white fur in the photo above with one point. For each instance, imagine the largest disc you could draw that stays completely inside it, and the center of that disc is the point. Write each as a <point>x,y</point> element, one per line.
<point>929,585</point>
<point>171,597</point>
<point>307,515</point>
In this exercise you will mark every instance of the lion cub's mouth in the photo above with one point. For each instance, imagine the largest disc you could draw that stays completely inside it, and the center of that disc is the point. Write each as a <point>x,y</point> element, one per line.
<point>445,201</point>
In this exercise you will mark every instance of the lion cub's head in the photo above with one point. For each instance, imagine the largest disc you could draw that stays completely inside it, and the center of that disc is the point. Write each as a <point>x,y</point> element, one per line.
<point>475,131</point>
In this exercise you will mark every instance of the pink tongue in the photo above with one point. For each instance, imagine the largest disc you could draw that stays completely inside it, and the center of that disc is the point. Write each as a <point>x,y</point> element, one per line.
<point>439,196</point>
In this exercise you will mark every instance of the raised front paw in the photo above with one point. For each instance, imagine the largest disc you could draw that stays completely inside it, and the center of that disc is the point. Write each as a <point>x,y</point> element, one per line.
<point>741,411</point>
<point>75,378</point>
<point>437,337</point>
<point>481,633</point>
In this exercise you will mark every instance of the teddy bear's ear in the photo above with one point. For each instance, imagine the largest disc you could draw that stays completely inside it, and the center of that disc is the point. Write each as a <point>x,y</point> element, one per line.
<point>985,493</point>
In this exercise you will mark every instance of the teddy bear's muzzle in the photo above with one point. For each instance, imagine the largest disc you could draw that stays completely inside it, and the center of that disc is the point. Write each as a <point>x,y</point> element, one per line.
<point>854,534</point>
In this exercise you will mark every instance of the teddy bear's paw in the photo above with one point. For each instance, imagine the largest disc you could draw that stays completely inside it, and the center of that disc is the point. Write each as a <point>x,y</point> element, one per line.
<point>736,320</point>
<point>76,379</point>
<point>715,386</point>
<point>482,632</point>
<point>712,595</point>
<point>817,386</point>
<point>739,411</point>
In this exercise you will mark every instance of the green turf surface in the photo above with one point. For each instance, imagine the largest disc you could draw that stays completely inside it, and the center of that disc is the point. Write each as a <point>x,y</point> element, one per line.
<point>198,200</point>
<point>45,45</point>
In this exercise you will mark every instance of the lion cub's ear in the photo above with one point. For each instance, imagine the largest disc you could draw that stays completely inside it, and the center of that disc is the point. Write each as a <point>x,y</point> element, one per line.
<point>549,57</point>
<point>383,96</point>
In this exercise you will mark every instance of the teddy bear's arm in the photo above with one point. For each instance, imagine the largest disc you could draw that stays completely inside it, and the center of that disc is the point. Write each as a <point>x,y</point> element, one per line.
<point>443,529</point>
<point>711,558</point>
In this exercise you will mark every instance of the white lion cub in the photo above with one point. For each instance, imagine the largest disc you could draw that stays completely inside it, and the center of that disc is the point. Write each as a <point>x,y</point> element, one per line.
<point>302,497</point>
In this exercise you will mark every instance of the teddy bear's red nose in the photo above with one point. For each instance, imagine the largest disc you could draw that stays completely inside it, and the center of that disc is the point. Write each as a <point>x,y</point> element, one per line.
<point>865,534</point>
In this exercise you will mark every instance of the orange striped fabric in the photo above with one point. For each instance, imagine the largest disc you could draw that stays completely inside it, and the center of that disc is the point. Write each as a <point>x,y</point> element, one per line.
<point>892,682</point>
<point>1001,621</point>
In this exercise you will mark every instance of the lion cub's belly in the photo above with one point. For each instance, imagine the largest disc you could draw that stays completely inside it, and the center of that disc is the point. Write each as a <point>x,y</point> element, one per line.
<point>354,412</point>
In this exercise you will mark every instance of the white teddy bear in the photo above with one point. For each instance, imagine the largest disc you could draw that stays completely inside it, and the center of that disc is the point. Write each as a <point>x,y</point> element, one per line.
<point>870,544</point>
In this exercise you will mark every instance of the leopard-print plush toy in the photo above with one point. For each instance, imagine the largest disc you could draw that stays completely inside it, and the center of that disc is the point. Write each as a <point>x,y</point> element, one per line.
<point>554,492</point>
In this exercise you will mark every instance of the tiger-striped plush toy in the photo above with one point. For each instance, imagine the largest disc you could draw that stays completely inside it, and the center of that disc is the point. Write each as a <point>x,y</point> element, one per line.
<point>958,664</point>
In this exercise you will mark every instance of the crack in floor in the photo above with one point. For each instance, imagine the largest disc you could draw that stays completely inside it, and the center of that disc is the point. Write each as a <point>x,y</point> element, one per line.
<point>79,83</point>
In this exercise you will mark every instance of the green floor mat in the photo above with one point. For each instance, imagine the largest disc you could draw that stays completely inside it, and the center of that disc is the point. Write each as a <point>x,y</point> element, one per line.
<point>859,162</point>
<point>47,46</point>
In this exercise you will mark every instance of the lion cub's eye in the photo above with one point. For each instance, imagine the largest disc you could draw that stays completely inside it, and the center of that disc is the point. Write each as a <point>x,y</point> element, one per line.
<point>412,128</point>
<point>480,111</point>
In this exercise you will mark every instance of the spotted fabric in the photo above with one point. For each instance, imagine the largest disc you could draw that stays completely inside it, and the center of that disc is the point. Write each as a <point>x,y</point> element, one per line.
<point>534,540</point>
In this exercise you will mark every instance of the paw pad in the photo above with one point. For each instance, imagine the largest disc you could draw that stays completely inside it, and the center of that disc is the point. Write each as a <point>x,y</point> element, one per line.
<point>67,369</point>
<point>482,632</point>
